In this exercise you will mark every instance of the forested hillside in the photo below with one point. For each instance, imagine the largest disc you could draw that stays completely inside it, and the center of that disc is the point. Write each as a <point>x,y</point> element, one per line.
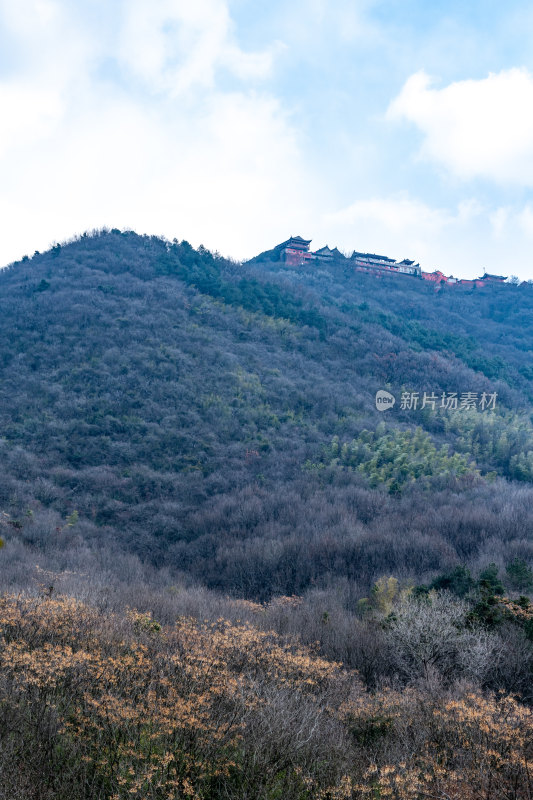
<point>224,572</point>
<point>218,419</point>
<point>121,706</point>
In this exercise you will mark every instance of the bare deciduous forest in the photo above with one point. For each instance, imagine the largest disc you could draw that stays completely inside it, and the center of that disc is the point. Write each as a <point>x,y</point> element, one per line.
<point>226,574</point>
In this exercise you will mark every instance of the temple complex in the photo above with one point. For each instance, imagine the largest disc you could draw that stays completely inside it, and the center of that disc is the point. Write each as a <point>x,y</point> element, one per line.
<point>296,252</point>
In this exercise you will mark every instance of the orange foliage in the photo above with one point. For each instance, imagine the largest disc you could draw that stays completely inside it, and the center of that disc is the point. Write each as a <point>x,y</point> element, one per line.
<point>167,712</point>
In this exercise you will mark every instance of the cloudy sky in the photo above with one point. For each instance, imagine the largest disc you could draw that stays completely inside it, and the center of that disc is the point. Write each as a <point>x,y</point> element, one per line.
<point>402,127</point>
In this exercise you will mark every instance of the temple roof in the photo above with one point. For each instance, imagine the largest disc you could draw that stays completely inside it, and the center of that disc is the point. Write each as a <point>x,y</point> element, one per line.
<point>488,277</point>
<point>328,251</point>
<point>294,240</point>
<point>356,254</point>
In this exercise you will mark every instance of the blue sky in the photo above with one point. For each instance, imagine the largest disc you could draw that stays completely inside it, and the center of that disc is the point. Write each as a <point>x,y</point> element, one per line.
<point>403,128</point>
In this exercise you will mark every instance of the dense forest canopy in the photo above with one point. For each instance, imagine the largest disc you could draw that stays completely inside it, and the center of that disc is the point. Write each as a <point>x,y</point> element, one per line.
<point>218,419</point>
<point>225,572</point>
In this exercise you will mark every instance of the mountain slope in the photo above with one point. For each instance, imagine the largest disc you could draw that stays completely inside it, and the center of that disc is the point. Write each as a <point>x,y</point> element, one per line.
<point>219,419</point>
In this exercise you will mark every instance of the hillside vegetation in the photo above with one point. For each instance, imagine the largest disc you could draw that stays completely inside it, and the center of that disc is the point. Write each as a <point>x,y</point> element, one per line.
<point>218,420</point>
<point>224,573</point>
<point>119,706</point>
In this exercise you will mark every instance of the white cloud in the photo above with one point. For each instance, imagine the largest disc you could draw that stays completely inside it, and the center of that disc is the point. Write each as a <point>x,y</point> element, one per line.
<point>30,18</point>
<point>350,19</point>
<point>52,43</point>
<point>464,241</point>
<point>395,213</point>
<point>315,29</point>
<point>121,114</point>
<point>525,219</point>
<point>499,220</point>
<point>29,113</point>
<point>176,45</point>
<point>474,128</point>
<point>81,147</point>
<point>231,175</point>
<point>402,226</point>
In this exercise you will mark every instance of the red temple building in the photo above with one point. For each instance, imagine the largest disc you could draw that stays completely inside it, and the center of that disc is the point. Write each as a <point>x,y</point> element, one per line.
<point>295,251</point>
<point>439,277</point>
<point>435,277</point>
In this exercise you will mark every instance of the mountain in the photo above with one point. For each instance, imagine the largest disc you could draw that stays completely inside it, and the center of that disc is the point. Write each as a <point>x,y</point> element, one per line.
<point>225,570</point>
<point>163,405</point>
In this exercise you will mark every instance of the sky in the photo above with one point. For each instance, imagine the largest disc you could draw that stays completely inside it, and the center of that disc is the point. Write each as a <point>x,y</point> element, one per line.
<point>399,127</point>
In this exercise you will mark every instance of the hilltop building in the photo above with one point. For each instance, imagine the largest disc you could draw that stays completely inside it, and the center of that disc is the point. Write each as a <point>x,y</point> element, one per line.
<point>327,254</point>
<point>439,277</point>
<point>409,267</point>
<point>493,278</point>
<point>296,252</point>
<point>434,277</point>
<point>474,282</point>
<point>370,262</point>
